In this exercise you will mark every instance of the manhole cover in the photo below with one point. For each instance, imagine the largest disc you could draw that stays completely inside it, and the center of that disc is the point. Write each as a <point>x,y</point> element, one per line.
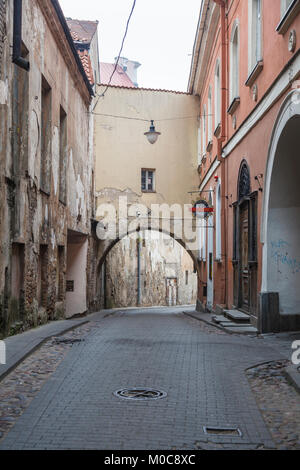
<point>140,394</point>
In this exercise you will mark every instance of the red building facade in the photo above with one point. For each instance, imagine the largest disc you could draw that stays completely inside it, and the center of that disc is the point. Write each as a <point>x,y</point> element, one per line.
<point>246,70</point>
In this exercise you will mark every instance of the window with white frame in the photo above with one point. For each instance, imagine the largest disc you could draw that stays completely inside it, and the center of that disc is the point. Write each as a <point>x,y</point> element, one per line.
<point>199,144</point>
<point>218,224</point>
<point>209,116</point>
<point>217,94</point>
<point>148,180</point>
<point>202,239</point>
<point>255,33</point>
<point>204,131</point>
<point>285,4</point>
<point>234,62</point>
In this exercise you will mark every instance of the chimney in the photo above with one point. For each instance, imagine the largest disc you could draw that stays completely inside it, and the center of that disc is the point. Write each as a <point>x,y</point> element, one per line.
<point>130,68</point>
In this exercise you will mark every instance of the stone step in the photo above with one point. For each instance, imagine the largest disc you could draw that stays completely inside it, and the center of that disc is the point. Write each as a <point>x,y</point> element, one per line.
<point>237,316</point>
<point>241,329</point>
<point>220,319</point>
<point>229,324</point>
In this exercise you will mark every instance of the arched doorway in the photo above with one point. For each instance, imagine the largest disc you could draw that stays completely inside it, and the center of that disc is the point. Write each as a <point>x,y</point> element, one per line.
<point>245,244</point>
<point>143,266</point>
<point>280,306</point>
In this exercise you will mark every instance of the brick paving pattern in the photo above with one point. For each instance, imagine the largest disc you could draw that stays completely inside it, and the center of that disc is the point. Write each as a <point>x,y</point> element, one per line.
<point>200,368</point>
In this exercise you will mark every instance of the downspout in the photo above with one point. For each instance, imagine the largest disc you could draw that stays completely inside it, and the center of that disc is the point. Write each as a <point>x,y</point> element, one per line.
<point>222,138</point>
<point>17,37</point>
<point>139,271</point>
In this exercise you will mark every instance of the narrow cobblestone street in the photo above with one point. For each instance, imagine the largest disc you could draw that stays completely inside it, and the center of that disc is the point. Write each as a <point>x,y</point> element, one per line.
<point>64,392</point>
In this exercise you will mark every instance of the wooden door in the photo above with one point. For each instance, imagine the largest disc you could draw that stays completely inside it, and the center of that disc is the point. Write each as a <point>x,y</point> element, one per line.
<point>244,257</point>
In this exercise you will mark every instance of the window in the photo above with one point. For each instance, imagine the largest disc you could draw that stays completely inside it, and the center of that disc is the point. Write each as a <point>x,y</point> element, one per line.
<point>63,156</point>
<point>204,131</point>
<point>148,180</point>
<point>202,239</point>
<point>289,11</point>
<point>199,145</point>
<point>186,278</point>
<point>46,137</point>
<point>285,5</point>
<point>255,36</point>
<point>217,94</point>
<point>234,63</point>
<point>209,116</point>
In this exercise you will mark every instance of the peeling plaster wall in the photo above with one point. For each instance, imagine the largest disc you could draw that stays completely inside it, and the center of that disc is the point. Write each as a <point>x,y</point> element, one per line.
<point>161,259</point>
<point>28,216</point>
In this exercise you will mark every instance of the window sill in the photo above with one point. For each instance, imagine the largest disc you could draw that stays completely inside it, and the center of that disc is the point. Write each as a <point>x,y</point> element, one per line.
<point>209,146</point>
<point>217,130</point>
<point>44,191</point>
<point>288,17</point>
<point>234,105</point>
<point>255,73</point>
<point>148,192</point>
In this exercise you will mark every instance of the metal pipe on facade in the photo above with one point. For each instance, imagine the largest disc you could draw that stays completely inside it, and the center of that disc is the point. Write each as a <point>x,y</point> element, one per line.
<point>17,37</point>
<point>139,272</point>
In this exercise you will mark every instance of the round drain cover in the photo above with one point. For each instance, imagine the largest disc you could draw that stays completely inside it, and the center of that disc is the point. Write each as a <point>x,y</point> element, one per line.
<point>140,393</point>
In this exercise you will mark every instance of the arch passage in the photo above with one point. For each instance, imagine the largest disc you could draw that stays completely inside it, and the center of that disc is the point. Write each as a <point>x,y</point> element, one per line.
<point>280,296</point>
<point>284,221</point>
<point>119,291</point>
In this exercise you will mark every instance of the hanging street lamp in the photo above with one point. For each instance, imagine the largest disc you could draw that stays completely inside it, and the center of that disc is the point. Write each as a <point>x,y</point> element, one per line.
<point>152,135</point>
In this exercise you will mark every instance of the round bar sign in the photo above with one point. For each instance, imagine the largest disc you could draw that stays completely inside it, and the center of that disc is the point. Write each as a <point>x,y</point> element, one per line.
<point>202,210</point>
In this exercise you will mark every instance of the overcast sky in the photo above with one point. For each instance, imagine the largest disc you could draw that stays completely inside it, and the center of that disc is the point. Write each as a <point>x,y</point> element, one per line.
<point>161,35</point>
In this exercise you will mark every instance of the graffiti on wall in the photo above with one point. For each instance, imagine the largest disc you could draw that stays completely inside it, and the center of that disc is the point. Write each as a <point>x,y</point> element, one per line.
<point>281,256</point>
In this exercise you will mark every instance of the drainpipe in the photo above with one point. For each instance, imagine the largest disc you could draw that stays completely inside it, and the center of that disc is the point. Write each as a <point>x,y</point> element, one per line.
<point>17,37</point>
<point>222,137</point>
<point>139,271</point>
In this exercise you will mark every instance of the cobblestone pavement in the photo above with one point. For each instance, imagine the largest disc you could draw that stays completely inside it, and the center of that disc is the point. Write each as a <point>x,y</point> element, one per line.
<point>278,402</point>
<point>201,369</point>
<point>22,385</point>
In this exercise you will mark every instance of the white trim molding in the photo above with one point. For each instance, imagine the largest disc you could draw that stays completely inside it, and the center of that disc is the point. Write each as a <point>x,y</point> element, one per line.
<point>209,174</point>
<point>279,87</point>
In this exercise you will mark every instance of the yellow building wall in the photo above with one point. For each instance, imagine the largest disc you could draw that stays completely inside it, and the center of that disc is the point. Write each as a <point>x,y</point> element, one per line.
<point>122,150</point>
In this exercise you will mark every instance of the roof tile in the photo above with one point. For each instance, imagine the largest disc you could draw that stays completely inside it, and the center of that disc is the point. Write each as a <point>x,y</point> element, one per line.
<point>120,78</point>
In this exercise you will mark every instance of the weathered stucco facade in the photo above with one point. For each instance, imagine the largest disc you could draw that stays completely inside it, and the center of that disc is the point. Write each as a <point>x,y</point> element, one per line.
<point>124,159</point>
<point>46,171</point>
<point>149,271</point>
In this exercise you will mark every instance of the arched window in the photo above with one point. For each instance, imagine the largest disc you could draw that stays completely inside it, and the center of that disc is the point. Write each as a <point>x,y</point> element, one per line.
<point>209,116</point>
<point>255,33</point>
<point>204,131</point>
<point>217,94</point>
<point>218,224</point>
<point>234,62</point>
<point>244,185</point>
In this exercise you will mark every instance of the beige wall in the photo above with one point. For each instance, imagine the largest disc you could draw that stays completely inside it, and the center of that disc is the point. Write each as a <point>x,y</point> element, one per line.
<point>122,150</point>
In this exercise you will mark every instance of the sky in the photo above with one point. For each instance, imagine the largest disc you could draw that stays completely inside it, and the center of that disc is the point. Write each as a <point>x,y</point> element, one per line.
<point>161,36</point>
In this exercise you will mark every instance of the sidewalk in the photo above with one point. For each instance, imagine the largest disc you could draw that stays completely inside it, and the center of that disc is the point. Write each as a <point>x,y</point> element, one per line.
<point>280,342</point>
<point>18,347</point>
